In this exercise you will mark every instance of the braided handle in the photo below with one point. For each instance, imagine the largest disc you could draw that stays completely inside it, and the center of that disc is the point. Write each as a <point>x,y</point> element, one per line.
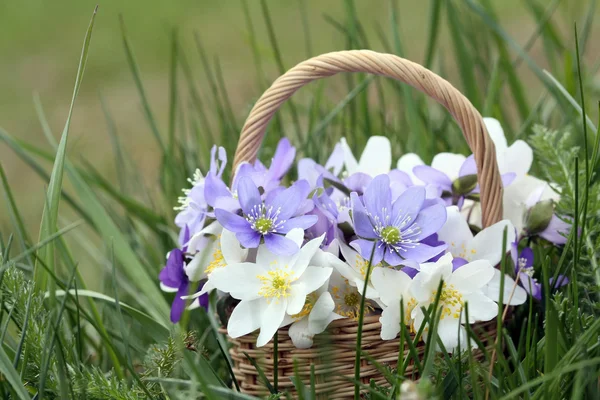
<point>467,117</point>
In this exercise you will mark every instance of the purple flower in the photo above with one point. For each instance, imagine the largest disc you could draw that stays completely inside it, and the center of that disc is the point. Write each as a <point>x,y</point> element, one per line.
<point>397,229</point>
<point>174,279</point>
<point>524,270</point>
<point>455,176</point>
<point>269,220</point>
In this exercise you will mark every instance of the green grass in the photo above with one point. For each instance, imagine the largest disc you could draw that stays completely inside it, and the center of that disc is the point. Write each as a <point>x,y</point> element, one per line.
<point>166,95</point>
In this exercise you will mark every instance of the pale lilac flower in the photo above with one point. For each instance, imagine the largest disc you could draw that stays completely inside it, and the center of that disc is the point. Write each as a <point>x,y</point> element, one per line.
<point>395,230</point>
<point>270,219</point>
<point>193,208</point>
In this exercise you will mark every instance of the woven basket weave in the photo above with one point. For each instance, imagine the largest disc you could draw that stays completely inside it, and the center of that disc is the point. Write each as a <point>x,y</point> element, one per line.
<point>333,353</point>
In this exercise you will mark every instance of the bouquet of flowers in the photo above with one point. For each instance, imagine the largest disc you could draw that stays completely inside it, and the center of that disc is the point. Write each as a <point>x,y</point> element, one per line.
<point>305,254</point>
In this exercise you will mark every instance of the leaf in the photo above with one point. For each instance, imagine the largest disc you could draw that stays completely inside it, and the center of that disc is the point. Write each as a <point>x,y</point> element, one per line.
<point>11,375</point>
<point>50,213</point>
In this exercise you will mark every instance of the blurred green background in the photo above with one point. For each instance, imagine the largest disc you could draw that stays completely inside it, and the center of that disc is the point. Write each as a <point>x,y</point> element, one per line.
<point>40,43</point>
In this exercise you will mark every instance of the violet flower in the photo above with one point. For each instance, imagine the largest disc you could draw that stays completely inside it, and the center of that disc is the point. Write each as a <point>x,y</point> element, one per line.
<point>174,279</point>
<point>524,270</point>
<point>398,229</point>
<point>455,176</point>
<point>269,220</point>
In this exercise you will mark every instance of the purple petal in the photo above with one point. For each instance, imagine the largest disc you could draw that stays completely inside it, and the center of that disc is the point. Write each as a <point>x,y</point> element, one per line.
<point>433,176</point>
<point>358,182</point>
<point>392,257</point>
<point>362,224</point>
<point>531,286</point>
<point>280,245</point>
<point>457,263</point>
<point>366,248</point>
<point>555,229</point>
<point>283,159</point>
<point>468,167</point>
<point>214,188</point>
<point>288,200</point>
<point>422,252</point>
<point>304,222</point>
<point>378,196</point>
<point>185,237</point>
<point>407,206</point>
<point>233,222</point>
<point>178,305</point>
<point>527,254</point>
<point>561,280</point>
<point>430,220</point>
<point>249,240</point>
<point>172,275</point>
<point>410,271</point>
<point>508,178</point>
<point>248,195</point>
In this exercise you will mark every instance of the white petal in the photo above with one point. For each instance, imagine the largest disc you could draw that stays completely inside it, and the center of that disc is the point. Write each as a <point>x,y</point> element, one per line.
<point>296,235</point>
<point>448,163</point>
<point>349,160</point>
<point>297,298</point>
<point>492,290</point>
<point>351,256</point>
<point>305,254</point>
<point>455,231</point>
<point>313,278</point>
<point>391,284</point>
<point>245,318</point>
<point>322,314</point>
<point>407,162</point>
<point>206,288</point>
<point>168,289</point>
<point>451,333</point>
<point>390,322</point>
<point>241,280</point>
<point>496,133</point>
<point>376,158</point>
<point>472,276</point>
<point>518,159</point>
<point>481,308</point>
<point>195,268</point>
<point>231,249</point>
<point>487,244</point>
<point>272,318</point>
<point>300,335</point>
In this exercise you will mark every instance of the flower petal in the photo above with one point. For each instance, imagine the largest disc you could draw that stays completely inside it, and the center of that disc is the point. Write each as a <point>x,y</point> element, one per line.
<point>303,222</point>
<point>232,222</point>
<point>391,284</point>
<point>408,205</point>
<point>313,278</point>
<point>362,222</point>
<point>450,163</point>
<point>296,298</point>
<point>481,308</point>
<point>245,318</point>
<point>455,231</point>
<point>492,289</point>
<point>349,160</point>
<point>487,244</point>
<point>305,254</point>
<point>378,196</point>
<point>376,157</point>
<point>178,305</point>
<point>239,279</point>
<point>432,176</point>
<point>518,158</point>
<point>300,335</point>
<point>407,162</point>
<point>496,132</point>
<point>278,244</point>
<point>390,321</point>
<point>230,247</point>
<point>287,201</point>
<point>430,220</point>
<point>423,252</point>
<point>272,318</point>
<point>248,194</point>
<point>322,314</point>
<point>472,276</point>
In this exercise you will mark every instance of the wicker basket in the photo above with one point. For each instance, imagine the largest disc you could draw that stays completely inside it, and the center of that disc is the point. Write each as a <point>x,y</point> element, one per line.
<point>333,353</point>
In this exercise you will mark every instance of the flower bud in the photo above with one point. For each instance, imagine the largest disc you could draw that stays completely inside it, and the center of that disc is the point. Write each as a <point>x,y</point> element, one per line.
<point>464,185</point>
<point>538,217</point>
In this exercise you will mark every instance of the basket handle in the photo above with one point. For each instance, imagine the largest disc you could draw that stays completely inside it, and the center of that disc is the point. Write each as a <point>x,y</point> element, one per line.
<point>417,76</point>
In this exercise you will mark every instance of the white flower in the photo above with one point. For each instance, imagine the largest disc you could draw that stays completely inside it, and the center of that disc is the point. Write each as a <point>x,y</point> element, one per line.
<point>465,285</point>
<point>516,158</point>
<point>407,162</point>
<point>270,288</point>
<point>376,158</point>
<point>222,250</point>
<point>393,286</point>
<point>319,309</point>
<point>486,245</point>
<point>354,270</point>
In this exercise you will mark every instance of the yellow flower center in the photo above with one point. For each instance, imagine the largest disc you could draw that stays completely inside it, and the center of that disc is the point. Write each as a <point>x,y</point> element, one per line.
<point>276,284</point>
<point>347,302</point>
<point>263,225</point>
<point>390,235</point>
<point>363,266</point>
<point>451,301</point>
<point>309,303</point>
<point>217,260</point>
